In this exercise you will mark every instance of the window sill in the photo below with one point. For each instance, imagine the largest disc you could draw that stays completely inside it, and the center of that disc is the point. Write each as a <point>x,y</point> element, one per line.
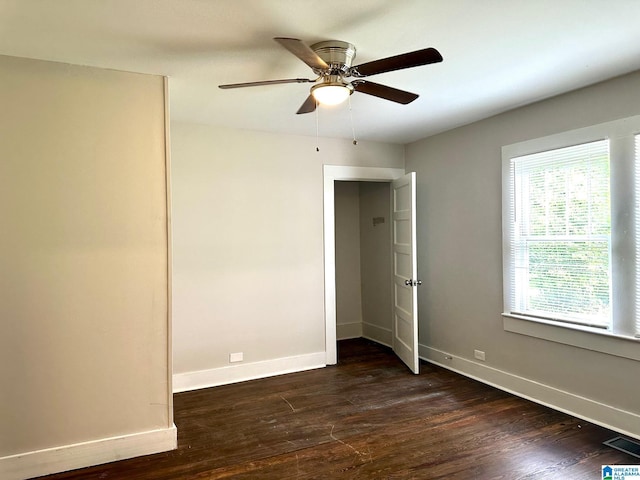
<point>574,335</point>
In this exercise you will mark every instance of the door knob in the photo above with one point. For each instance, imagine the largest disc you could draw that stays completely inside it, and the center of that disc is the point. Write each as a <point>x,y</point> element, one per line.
<point>412,283</point>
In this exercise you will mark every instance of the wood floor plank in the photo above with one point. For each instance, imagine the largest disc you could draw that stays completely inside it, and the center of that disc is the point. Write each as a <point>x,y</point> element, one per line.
<point>368,418</point>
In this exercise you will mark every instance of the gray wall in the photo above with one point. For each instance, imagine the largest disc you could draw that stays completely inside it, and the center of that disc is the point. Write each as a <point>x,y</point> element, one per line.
<point>375,254</point>
<point>248,249</point>
<point>363,261</point>
<point>349,303</point>
<point>460,261</point>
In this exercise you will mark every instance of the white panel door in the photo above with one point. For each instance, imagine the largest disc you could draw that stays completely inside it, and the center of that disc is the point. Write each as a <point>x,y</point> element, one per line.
<point>405,271</point>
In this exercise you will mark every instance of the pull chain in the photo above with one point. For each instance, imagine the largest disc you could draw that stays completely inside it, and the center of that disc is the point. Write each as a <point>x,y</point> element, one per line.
<point>317,128</point>
<point>353,129</point>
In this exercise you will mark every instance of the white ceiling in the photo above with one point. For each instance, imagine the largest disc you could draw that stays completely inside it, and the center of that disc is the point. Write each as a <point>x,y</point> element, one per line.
<point>498,54</point>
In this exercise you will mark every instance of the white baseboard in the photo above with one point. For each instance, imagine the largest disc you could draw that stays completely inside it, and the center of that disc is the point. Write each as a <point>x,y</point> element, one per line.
<point>183,382</point>
<point>345,331</point>
<point>85,454</point>
<point>377,334</point>
<point>622,421</point>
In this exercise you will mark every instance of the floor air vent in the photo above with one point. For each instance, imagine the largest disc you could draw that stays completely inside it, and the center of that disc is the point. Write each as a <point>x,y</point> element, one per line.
<point>625,445</point>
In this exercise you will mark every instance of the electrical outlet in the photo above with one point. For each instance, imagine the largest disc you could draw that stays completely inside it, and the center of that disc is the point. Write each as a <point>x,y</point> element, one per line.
<point>236,357</point>
<point>479,354</point>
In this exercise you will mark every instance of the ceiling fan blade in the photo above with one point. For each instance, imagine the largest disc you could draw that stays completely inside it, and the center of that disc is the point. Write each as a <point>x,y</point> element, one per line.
<point>382,91</point>
<point>303,52</point>
<point>398,62</point>
<point>308,106</point>
<point>265,82</point>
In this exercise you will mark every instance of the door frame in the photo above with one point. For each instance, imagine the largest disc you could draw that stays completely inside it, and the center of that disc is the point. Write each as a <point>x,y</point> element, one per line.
<point>331,174</point>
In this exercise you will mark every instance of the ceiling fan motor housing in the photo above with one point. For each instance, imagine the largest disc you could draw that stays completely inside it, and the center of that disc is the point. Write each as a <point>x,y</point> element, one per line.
<point>338,55</point>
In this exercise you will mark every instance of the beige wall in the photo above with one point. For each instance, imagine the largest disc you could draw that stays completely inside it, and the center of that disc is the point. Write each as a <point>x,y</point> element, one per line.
<point>248,251</point>
<point>460,260</point>
<point>83,256</point>
<point>348,281</point>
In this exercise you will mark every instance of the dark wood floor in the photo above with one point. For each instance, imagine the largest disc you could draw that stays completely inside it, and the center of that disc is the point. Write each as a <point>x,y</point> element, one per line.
<point>368,418</point>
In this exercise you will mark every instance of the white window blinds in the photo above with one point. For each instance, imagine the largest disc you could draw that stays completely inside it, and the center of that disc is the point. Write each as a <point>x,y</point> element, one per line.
<point>561,235</point>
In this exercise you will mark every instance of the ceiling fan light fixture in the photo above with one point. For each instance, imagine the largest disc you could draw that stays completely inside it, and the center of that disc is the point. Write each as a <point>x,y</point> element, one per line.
<point>331,93</point>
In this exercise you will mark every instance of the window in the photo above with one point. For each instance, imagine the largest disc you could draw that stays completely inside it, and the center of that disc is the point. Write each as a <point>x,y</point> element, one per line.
<point>571,222</point>
<point>561,235</point>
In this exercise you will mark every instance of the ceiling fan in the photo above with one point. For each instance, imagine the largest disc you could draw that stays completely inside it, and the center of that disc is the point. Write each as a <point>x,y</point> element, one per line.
<point>331,62</point>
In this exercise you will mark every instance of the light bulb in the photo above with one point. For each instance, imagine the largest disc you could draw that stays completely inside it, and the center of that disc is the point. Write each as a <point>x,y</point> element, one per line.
<point>330,94</point>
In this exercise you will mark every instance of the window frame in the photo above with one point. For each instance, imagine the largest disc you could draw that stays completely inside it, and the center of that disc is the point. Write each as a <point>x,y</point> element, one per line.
<point>622,340</point>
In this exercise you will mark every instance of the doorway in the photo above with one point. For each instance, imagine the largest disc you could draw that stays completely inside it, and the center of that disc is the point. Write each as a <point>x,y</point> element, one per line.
<point>331,175</point>
<point>364,303</point>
